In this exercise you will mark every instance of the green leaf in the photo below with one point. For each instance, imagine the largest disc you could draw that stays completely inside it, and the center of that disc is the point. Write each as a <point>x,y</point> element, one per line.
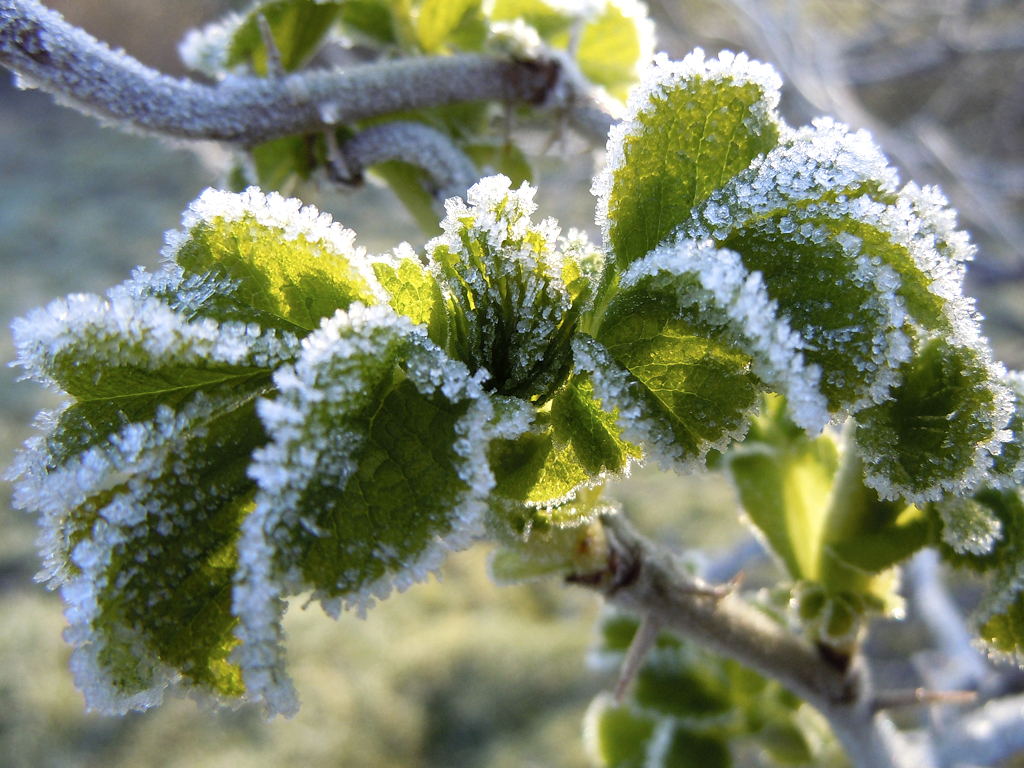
<point>784,479</point>
<point>294,266</point>
<point>617,737</point>
<point>438,19</point>
<point>938,431</point>
<point>691,380</point>
<point>580,422</point>
<point>1003,629</point>
<point>701,123</point>
<point>376,467</point>
<point>371,18</point>
<point>298,27</point>
<point>408,183</point>
<point>277,162</point>
<point>414,291</point>
<point>689,749</point>
<point>613,46</point>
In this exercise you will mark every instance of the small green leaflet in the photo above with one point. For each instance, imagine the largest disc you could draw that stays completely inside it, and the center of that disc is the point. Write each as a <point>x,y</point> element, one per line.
<point>697,124</point>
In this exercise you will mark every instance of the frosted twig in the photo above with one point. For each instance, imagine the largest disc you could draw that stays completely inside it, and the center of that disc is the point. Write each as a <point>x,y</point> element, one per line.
<point>647,580</point>
<point>80,71</point>
<point>416,144</point>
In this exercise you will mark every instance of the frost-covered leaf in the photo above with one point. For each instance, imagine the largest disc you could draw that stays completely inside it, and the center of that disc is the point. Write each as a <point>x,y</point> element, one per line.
<point>1003,630</point>
<point>1008,468</point>
<point>938,432</point>
<point>854,265</point>
<point>414,291</point>
<point>509,310</point>
<point>690,127</point>
<point>696,334</point>
<point>141,482</point>
<point>985,532</point>
<point>293,265</point>
<point>580,422</point>
<point>376,467</point>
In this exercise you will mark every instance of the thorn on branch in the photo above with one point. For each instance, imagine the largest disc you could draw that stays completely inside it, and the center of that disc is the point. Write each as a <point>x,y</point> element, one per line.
<point>643,641</point>
<point>274,66</point>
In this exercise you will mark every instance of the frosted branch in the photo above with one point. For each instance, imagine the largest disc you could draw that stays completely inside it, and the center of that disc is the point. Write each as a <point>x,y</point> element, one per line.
<point>646,580</point>
<point>416,144</point>
<point>48,53</point>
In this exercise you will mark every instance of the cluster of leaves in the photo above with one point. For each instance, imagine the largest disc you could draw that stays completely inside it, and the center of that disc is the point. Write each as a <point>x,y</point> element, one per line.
<point>601,45</point>
<point>692,709</point>
<point>277,412</point>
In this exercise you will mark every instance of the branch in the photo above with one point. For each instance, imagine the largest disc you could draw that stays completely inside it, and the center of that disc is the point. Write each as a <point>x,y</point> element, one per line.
<point>416,144</point>
<point>80,71</point>
<point>646,580</point>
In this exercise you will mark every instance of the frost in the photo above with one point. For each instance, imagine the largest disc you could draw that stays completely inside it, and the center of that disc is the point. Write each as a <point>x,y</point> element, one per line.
<point>969,527</point>
<point>728,287</point>
<point>206,50</point>
<point>656,82</point>
<point>319,434</point>
<point>503,273</point>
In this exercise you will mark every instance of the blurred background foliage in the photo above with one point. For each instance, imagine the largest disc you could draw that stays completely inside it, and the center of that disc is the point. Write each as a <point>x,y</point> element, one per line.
<point>464,673</point>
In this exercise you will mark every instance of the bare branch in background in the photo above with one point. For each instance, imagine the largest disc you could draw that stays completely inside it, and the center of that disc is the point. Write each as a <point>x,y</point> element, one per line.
<point>80,71</point>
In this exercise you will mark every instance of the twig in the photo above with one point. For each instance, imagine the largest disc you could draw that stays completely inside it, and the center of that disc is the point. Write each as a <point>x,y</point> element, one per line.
<point>916,696</point>
<point>80,71</point>
<point>416,144</point>
<point>647,580</point>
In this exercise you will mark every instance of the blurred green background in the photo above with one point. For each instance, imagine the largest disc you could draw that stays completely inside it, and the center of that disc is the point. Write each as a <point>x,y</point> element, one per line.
<point>459,673</point>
